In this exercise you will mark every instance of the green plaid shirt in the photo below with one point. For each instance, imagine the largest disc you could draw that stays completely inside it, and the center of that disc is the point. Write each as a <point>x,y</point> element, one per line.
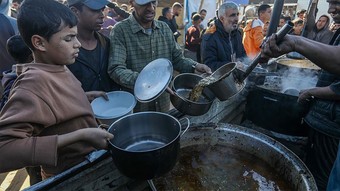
<point>132,48</point>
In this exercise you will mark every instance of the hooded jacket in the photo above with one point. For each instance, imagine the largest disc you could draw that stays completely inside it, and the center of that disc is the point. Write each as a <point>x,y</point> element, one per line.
<point>253,37</point>
<point>8,28</point>
<point>218,46</point>
<point>323,35</point>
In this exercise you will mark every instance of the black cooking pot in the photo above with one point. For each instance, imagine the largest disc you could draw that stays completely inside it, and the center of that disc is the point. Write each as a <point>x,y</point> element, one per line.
<point>276,111</point>
<point>145,145</point>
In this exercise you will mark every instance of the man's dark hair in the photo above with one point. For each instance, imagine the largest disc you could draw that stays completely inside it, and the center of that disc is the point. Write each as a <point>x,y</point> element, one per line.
<point>262,8</point>
<point>17,48</point>
<point>302,11</point>
<point>16,1</point>
<point>165,10</point>
<point>43,18</point>
<point>203,10</point>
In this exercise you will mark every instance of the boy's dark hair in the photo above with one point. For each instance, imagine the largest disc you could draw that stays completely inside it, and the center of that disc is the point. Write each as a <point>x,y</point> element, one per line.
<point>43,18</point>
<point>17,48</point>
<point>196,17</point>
<point>165,10</point>
<point>262,8</point>
<point>193,13</point>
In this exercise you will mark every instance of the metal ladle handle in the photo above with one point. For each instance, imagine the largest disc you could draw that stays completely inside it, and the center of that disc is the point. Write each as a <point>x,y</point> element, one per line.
<point>280,34</point>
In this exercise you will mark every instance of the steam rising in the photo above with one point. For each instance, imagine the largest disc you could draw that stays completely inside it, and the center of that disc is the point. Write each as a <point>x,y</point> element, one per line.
<point>297,78</point>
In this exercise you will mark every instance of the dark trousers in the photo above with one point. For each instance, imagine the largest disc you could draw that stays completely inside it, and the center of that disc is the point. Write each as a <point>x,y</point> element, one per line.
<point>35,174</point>
<point>334,178</point>
<point>321,154</point>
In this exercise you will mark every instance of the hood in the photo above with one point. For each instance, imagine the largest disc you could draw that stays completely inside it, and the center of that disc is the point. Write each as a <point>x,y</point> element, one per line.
<point>326,27</point>
<point>248,25</point>
<point>4,7</point>
<point>8,76</point>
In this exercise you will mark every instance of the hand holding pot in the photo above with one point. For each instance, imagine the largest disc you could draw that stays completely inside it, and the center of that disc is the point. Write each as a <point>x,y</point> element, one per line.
<point>202,68</point>
<point>96,137</point>
<point>305,96</point>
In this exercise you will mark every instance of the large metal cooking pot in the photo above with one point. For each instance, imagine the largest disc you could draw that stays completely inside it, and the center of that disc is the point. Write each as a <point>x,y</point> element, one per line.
<point>226,86</point>
<point>182,86</point>
<point>270,152</point>
<point>305,66</point>
<point>276,111</point>
<point>146,144</point>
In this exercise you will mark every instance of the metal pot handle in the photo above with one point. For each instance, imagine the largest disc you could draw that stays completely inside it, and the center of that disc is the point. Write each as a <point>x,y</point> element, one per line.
<point>186,129</point>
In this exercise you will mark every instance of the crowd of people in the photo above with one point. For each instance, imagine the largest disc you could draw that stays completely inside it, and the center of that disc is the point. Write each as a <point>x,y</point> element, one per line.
<point>57,56</point>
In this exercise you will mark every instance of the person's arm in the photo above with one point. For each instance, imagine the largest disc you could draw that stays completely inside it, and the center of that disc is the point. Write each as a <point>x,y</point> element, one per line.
<point>96,137</point>
<point>325,56</point>
<point>318,92</point>
<point>121,12</point>
<point>310,23</point>
<point>117,67</point>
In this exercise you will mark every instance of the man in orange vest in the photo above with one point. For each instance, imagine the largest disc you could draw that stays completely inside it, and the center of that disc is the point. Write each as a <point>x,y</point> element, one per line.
<point>253,32</point>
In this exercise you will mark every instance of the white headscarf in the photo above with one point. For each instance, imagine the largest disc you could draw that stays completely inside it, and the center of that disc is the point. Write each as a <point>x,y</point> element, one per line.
<point>4,7</point>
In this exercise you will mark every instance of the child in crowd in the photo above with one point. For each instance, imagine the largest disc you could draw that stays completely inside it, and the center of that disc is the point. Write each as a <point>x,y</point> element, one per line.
<point>298,27</point>
<point>48,120</point>
<point>17,48</point>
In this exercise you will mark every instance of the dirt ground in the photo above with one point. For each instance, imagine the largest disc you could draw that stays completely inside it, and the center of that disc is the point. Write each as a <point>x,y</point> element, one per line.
<point>14,180</point>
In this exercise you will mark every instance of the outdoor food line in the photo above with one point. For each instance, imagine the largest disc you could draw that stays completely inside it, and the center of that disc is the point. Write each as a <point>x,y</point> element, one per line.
<point>215,138</point>
<point>145,155</point>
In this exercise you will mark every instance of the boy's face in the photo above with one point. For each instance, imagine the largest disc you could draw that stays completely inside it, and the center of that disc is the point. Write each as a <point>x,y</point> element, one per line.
<point>62,48</point>
<point>89,19</point>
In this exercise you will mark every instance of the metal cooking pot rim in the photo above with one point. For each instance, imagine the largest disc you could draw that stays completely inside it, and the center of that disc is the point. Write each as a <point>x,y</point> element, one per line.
<point>225,74</point>
<point>111,130</point>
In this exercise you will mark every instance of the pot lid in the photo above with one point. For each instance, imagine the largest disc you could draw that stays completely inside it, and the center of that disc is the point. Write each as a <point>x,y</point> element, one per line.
<point>153,80</point>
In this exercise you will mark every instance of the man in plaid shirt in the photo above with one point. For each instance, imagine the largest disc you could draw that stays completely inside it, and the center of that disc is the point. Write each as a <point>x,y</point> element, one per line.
<point>140,39</point>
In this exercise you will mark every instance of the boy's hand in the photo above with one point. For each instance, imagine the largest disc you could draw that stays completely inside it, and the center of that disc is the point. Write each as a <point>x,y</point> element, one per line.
<point>91,95</point>
<point>97,137</point>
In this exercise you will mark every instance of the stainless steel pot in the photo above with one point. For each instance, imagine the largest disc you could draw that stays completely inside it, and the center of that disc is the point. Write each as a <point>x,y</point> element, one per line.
<point>226,86</point>
<point>146,144</point>
<point>182,86</point>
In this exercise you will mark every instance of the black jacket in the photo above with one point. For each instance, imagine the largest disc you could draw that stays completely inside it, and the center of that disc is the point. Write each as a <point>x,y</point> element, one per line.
<point>93,73</point>
<point>216,49</point>
<point>171,24</point>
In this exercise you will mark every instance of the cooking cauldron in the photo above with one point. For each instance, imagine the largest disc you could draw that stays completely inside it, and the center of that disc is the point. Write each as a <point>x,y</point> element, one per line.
<point>145,145</point>
<point>270,151</point>
<point>276,111</point>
